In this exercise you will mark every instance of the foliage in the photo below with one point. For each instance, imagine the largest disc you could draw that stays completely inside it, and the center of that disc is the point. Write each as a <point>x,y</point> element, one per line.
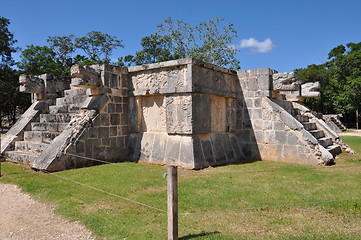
<point>156,48</point>
<point>273,199</point>
<point>340,79</point>
<point>57,58</point>
<point>214,45</point>
<point>36,60</point>
<point>97,44</point>
<point>7,42</point>
<point>63,46</point>
<point>10,100</point>
<point>207,41</point>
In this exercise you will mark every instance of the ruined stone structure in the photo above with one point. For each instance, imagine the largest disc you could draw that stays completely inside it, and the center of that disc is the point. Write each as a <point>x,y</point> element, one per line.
<point>333,120</point>
<point>183,112</point>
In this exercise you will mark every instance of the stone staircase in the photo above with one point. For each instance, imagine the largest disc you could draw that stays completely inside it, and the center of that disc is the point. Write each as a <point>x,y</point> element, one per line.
<point>338,123</point>
<point>46,127</point>
<point>311,127</point>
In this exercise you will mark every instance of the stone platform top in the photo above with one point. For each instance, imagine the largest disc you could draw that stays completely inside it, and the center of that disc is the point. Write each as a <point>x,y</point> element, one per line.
<point>180,62</point>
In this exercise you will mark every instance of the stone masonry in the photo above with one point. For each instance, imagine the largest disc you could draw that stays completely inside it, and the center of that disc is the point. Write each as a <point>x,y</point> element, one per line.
<point>183,112</point>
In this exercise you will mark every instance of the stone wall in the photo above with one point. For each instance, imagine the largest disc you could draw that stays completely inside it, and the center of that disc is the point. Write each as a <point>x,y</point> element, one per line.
<point>180,113</point>
<point>183,112</point>
<point>99,129</point>
<point>107,136</point>
<point>278,136</point>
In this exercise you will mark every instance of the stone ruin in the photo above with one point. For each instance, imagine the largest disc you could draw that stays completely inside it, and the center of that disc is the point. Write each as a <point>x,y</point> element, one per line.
<point>184,112</point>
<point>334,121</point>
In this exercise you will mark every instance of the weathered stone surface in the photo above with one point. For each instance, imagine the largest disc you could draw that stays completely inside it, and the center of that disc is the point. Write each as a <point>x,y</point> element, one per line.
<point>17,130</point>
<point>209,155</point>
<point>310,89</point>
<point>179,114</point>
<point>158,148</point>
<point>45,86</point>
<point>183,112</point>
<point>154,80</point>
<point>201,113</point>
<point>286,81</point>
<point>172,150</point>
<point>85,76</point>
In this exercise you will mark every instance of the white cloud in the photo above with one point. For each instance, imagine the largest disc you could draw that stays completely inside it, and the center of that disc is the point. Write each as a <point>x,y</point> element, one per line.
<point>257,46</point>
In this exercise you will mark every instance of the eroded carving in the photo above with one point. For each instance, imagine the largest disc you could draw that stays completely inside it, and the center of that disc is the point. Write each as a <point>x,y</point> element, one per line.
<point>287,81</point>
<point>87,76</point>
<point>44,86</point>
<point>310,89</point>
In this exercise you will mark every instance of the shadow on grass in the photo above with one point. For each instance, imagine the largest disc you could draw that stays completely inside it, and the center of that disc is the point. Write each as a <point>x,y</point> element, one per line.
<point>198,235</point>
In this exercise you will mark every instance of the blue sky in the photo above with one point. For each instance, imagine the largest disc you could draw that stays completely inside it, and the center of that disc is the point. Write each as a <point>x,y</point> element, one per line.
<point>282,35</point>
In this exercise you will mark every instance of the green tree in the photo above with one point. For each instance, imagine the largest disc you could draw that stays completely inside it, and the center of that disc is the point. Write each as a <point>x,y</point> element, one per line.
<point>10,101</point>
<point>57,58</point>
<point>7,42</point>
<point>208,41</point>
<point>36,60</point>
<point>180,37</point>
<point>340,79</point>
<point>64,47</point>
<point>98,46</point>
<point>156,48</point>
<point>214,44</point>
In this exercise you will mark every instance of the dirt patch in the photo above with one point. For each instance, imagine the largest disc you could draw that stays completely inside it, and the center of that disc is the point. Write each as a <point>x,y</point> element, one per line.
<point>353,132</point>
<point>23,218</point>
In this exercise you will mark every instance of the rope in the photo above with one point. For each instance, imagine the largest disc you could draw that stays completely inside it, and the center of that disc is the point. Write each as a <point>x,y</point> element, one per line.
<point>123,165</point>
<point>106,192</point>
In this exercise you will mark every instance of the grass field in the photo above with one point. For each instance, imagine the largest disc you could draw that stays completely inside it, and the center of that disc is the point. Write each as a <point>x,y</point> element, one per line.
<point>259,200</point>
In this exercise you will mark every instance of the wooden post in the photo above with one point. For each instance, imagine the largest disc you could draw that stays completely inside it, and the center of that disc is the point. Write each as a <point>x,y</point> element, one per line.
<point>172,192</point>
<point>356,119</point>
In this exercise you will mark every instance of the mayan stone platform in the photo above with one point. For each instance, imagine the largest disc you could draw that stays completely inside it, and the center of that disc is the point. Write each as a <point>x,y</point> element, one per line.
<point>183,112</point>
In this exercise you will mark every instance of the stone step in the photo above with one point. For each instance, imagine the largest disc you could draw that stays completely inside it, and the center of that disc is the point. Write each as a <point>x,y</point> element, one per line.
<point>58,117</point>
<point>49,127</point>
<point>309,126</point>
<point>302,118</point>
<point>75,92</point>
<point>58,109</point>
<point>334,150</point>
<point>325,141</point>
<point>77,100</point>
<point>317,133</point>
<point>74,108</point>
<point>338,124</point>
<point>34,147</point>
<point>26,158</point>
<point>295,111</point>
<point>40,136</point>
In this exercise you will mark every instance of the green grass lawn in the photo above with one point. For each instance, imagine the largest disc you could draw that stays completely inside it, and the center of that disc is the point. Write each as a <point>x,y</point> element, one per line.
<point>269,200</point>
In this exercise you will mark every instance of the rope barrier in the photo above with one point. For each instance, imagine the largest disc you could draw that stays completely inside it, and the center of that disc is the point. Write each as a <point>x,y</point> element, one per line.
<point>202,212</point>
<point>123,165</point>
<point>106,192</point>
<point>205,174</point>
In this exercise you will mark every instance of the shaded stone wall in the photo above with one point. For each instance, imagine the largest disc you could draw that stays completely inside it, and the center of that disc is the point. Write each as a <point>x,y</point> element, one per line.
<point>278,136</point>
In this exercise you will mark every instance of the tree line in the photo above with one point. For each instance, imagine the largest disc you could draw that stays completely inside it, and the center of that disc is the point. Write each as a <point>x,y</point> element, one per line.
<point>340,78</point>
<point>174,39</point>
<point>209,41</point>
